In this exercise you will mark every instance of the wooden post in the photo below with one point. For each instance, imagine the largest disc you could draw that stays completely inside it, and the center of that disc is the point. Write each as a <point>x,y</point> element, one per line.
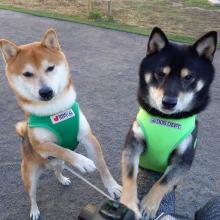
<point>109,9</point>
<point>89,2</point>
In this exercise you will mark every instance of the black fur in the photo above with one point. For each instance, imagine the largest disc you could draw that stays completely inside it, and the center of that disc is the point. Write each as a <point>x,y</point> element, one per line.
<point>177,57</point>
<point>197,59</point>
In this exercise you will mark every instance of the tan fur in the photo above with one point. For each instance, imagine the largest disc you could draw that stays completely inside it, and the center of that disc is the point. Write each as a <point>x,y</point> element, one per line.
<point>33,53</point>
<point>36,58</point>
<point>184,72</point>
<point>152,200</point>
<point>98,157</point>
<point>156,94</point>
<point>21,128</point>
<point>129,185</point>
<point>166,70</point>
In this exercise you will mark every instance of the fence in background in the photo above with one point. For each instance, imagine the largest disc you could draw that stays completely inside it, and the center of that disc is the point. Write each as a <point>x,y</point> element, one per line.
<point>90,7</point>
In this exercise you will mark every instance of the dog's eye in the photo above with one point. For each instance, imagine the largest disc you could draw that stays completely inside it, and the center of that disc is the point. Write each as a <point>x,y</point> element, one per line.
<point>28,74</point>
<point>160,75</point>
<point>50,69</point>
<point>189,78</point>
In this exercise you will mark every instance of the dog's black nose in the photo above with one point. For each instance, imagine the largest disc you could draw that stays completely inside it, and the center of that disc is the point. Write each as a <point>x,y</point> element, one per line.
<point>46,93</point>
<point>169,102</point>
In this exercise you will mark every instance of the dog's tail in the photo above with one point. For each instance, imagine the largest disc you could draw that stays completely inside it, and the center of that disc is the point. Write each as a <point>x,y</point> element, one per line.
<point>21,128</point>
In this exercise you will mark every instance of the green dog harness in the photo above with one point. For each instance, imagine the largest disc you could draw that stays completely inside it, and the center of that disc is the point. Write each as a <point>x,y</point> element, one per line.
<point>65,125</point>
<point>163,136</point>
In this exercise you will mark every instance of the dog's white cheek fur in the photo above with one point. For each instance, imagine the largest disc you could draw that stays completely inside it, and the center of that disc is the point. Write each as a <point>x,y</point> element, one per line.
<point>23,88</point>
<point>155,97</point>
<point>184,101</point>
<point>26,87</point>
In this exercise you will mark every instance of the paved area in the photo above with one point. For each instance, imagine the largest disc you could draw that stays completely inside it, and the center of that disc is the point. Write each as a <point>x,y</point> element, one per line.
<point>104,65</point>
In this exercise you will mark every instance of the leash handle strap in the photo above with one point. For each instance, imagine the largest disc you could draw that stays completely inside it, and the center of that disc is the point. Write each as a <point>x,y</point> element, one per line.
<point>87,182</point>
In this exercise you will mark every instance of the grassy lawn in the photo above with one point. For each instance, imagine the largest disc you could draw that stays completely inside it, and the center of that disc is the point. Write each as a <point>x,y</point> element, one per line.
<point>200,3</point>
<point>182,20</point>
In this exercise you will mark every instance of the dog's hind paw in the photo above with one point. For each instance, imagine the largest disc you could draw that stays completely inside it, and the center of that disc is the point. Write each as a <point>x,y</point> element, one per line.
<point>84,164</point>
<point>35,213</point>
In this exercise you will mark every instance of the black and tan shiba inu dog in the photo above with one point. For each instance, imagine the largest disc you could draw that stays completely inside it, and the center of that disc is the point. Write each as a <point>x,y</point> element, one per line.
<point>174,82</point>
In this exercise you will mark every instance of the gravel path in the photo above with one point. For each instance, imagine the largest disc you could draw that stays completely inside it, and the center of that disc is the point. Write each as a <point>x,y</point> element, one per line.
<point>104,64</point>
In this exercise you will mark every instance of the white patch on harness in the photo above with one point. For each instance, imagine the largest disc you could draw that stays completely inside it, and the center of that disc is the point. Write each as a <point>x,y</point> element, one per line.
<point>62,116</point>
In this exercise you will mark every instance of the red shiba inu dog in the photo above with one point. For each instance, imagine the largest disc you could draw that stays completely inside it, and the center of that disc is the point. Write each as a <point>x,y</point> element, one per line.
<point>39,76</point>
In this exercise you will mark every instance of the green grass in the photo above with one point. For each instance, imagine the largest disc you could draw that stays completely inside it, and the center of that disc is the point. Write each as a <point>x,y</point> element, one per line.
<point>201,4</point>
<point>97,23</point>
<point>95,14</point>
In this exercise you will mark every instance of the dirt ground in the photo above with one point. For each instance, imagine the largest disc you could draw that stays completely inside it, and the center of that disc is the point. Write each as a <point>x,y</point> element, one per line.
<point>188,18</point>
<point>104,65</point>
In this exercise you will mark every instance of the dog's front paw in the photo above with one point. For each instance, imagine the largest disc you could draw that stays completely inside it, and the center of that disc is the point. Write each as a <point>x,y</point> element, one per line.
<point>144,214</point>
<point>64,180</point>
<point>135,208</point>
<point>35,213</point>
<point>114,189</point>
<point>84,164</point>
<point>148,209</point>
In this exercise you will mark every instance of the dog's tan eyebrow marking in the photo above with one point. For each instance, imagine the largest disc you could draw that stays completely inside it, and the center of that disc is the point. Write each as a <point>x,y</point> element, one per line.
<point>184,72</point>
<point>147,77</point>
<point>166,70</point>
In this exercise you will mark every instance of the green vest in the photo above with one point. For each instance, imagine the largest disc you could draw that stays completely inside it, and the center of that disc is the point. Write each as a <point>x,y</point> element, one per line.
<point>65,125</point>
<point>162,137</point>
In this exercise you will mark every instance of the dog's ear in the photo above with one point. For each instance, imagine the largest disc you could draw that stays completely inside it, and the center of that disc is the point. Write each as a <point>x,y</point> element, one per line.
<point>9,50</point>
<point>50,40</point>
<point>157,41</point>
<point>206,45</point>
